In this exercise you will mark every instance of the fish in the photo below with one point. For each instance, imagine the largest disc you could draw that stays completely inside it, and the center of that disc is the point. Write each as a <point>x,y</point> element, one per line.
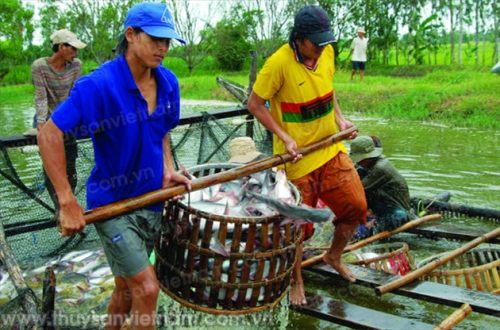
<point>282,190</point>
<point>205,206</point>
<point>302,212</point>
<point>365,255</point>
<point>100,272</point>
<point>218,247</point>
<point>73,277</point>
<point>77,256</point>
<point>231,198</point>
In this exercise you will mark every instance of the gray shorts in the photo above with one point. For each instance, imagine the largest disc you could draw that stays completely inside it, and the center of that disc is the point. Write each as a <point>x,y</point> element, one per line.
<point>128,240</point>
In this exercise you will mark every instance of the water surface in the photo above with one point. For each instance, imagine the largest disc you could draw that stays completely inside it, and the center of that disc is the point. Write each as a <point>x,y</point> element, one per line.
<point>433,158</point>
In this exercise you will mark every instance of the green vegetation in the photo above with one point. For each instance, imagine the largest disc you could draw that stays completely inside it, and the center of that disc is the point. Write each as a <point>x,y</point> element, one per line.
<point>466,97</point>
<point>16,94</point>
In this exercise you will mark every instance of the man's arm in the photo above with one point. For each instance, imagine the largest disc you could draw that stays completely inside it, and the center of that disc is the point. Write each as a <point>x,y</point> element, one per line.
<point>256,106</point>
<point>50,141</point>
<point>170,175</point>
<point>41,102</point>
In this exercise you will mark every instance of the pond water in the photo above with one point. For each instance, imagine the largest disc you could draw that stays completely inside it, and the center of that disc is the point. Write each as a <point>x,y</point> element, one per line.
<point>432,158</point>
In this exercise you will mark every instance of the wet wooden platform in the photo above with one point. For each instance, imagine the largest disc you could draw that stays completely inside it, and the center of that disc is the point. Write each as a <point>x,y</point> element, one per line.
<point>480,302</point>
<point>451,232</point>
<point>354,316</point>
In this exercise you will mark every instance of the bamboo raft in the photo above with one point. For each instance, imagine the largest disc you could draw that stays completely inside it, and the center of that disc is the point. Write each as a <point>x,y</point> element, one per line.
<point>481,302</point>
<point>454,209</point>
<point>353,316</point>
<point>449,231</point>
<point>477,269</point>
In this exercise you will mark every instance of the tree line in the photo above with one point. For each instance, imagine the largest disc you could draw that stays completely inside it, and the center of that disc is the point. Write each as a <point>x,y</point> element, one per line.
<point>409,31</point>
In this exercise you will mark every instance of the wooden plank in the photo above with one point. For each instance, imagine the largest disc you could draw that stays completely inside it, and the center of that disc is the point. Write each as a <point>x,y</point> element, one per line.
<point>451,232</point>
<point>480,302</point>
<point>354,316</point>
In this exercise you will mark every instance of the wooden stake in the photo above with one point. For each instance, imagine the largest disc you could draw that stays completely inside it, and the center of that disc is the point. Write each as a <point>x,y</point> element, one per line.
<point>29,301</point>
<point>351,247</point>
<point>48,299</point>
<point>417,273</point>
<point>131,204</point>
<point>455,318</point>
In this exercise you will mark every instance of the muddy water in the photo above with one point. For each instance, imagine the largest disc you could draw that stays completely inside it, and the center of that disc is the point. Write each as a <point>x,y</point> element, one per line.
<point>432,158</point>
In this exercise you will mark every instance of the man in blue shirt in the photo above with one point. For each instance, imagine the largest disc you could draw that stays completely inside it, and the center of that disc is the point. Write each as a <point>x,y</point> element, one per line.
<point>127,107</point>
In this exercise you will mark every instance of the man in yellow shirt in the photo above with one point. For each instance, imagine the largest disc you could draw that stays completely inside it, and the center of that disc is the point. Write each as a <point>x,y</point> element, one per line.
<point>298,80</point>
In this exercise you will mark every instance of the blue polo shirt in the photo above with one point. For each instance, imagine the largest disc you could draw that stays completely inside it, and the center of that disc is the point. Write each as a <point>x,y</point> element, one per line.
<point>108,107</point>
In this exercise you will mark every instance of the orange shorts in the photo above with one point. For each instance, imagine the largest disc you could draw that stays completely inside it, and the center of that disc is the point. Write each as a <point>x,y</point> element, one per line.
<point>338,185</point>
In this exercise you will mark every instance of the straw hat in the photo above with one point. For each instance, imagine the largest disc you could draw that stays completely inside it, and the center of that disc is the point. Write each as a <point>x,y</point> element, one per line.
<point>360,30</point>
<point>242,150</point>
<point>363,147</point>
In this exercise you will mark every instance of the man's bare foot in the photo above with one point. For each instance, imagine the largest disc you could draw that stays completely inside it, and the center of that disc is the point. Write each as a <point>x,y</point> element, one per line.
<point>342,269</point>
<point>297,296</point>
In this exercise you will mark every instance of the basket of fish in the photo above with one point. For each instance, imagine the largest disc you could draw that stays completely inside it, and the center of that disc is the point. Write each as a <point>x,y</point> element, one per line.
<point>393,258</point>
<point>477,269</point>
<point>223,250</point>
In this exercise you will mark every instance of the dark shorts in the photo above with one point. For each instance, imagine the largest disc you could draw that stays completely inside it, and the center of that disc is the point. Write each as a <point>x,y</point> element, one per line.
<point>128,240</point>
<point>357,65</point>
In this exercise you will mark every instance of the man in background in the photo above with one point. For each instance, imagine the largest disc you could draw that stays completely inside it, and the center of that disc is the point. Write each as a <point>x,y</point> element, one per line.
<point>53,78</point>
<point>358,50</point>
<point>386,190</point>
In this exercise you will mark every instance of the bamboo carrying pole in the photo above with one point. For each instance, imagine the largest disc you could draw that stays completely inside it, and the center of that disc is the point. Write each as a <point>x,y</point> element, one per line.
<point>131,204</point>
<point>456,317</point>
<point>417,273</point>
<point>431,217</point>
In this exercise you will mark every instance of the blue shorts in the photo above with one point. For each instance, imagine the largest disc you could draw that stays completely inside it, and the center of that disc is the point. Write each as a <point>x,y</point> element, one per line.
<point>358,65</point>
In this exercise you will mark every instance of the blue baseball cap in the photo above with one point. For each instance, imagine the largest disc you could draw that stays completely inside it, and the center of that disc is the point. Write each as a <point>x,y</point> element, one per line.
<point>154,19</point>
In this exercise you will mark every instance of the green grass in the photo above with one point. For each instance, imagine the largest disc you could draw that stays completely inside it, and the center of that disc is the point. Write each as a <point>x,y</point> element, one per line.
<point>466,97</point>
<point>205,87</point>
<point>16,93</point>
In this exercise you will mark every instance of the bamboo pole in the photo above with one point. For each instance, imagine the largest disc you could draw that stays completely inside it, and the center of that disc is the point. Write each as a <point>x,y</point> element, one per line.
<point>131,204</point>
<point>456,317</point>
<point>413,275</point>
<point>29,301</point>
<point>351,247</point>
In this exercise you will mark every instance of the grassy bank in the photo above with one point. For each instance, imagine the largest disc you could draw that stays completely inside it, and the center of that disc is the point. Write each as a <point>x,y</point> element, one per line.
<point>466,96</point>
<point>13,94</point>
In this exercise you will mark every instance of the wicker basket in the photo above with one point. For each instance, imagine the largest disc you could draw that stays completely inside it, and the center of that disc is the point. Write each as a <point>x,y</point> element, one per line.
<point>253,276</point>
<point>392,258</point>
<point>476,269</point>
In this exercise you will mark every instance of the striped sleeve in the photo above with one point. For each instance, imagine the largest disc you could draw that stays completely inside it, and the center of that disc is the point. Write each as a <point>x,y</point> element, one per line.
<point>41,99</point>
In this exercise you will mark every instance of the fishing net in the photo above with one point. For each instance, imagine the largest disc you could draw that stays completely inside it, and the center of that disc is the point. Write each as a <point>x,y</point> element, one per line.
<point>28,212</point>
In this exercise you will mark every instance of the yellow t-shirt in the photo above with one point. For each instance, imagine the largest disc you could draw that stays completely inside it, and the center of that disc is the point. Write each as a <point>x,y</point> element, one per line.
<point>302,104</point>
